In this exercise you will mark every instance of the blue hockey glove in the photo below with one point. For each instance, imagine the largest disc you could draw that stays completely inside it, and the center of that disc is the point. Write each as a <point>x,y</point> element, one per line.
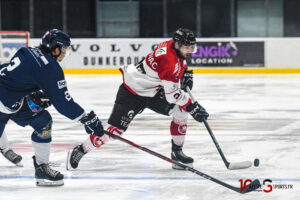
<point>92,124</point>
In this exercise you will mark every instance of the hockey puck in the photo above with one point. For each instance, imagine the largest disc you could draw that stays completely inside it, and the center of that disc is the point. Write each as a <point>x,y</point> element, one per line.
<point>256,162</point>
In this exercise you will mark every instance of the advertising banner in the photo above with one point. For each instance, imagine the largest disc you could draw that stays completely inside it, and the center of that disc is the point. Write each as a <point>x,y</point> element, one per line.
<point>228,53</point>
<point>8,48</point>
<point>112,53</point>
<point>106,53</point>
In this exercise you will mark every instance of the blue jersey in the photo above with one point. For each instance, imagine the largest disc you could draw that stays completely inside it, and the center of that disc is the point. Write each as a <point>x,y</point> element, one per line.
<point>31,70</point>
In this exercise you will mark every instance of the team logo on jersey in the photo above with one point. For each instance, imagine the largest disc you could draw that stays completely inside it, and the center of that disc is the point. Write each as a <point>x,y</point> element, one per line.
<point>61,84</point>
<point>182,129</point>
<point>161,51</point>
<point>151,61</point>
<point>130,114</point>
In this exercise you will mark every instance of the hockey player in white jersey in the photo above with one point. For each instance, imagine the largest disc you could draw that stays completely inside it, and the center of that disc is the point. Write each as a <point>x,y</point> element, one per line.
<point>158,83</point>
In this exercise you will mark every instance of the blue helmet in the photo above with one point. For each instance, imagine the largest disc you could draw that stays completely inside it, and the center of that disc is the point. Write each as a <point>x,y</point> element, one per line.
<point>55,38</point>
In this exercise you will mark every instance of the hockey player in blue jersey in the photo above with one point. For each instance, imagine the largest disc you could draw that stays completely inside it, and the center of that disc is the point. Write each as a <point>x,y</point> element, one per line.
<point>29,71</point>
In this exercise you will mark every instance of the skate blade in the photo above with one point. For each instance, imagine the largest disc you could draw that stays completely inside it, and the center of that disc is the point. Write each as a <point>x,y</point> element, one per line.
<point>19,164</point>
<point>48,183</point>
<point>68,164</point>
<point>176,167</point>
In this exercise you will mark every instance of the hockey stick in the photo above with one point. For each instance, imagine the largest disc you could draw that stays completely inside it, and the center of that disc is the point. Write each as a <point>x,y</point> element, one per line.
<point>250,187</point>
<point>229,165</point>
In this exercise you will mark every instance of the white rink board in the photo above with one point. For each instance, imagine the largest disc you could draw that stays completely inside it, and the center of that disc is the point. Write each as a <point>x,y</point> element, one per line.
<point>279,52</point>
<point>106,53</point>
<point>252,116</point>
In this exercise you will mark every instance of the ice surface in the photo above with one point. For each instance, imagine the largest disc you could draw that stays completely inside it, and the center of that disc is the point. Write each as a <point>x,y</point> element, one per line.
<point>252,116</point>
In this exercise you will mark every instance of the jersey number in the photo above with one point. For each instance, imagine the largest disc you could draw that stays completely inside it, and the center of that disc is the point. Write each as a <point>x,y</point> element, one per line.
<point>68,96</point>
<point>14,63</point>
<point>177,95</point>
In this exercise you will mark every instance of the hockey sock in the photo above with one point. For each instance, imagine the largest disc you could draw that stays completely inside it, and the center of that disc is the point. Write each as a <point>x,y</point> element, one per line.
<point>3,141</point>
<point>178,131</point>
<point>42,152</point>
<point>93,142</point>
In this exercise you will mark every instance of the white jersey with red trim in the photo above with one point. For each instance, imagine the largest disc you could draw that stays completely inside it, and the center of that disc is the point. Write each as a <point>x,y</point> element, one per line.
<point>162,68</point>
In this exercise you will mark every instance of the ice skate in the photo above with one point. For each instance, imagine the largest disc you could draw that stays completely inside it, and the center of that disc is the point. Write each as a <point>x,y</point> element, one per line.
<point>179,156</point>
<point>45,176</point>
<point>74,157</point>
<point>10,155</point>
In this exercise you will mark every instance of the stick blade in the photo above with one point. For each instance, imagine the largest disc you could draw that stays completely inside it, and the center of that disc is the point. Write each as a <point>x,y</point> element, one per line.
<point>252,186</point>
<point>240,165</point>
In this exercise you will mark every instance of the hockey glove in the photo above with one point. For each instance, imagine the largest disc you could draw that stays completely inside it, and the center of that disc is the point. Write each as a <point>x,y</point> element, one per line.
<point>187,80</point>
<point>197,111</point>
<point>38,101</point>
<point>92,124</point>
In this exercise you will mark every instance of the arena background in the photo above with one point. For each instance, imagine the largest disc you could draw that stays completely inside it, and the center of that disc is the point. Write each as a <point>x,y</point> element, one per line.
<point>247,75</point>
<point>251,36</point>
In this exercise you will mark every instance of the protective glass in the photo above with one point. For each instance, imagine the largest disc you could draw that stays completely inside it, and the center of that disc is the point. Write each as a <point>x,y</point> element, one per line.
<point>189,49</point>
<point>66,50</point>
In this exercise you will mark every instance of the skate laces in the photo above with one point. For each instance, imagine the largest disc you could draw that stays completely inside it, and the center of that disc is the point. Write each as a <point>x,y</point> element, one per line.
<point>78,154</point>
<point>50,171</point>
<point>10,154</point>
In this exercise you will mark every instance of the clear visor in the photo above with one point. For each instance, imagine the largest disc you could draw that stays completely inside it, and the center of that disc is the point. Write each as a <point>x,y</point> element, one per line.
<point>66,50</point>
<point>189,49</point>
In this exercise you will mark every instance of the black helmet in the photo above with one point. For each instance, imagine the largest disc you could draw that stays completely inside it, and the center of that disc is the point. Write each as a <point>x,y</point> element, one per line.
<point>55,38</point>
<point>184,37</point>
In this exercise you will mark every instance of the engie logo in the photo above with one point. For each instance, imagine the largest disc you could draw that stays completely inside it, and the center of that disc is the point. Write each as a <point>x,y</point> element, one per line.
<point>228,53</point>
<point>267,185</point>
<point>221,50</point>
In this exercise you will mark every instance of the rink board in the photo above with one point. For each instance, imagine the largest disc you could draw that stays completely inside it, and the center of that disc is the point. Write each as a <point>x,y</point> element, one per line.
<point>214,55</point>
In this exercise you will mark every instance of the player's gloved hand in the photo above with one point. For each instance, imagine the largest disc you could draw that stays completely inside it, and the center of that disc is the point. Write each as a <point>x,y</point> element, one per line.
<point>39,98</point>
<point>38,101</point>
<point>197,111</point>
<point>92,124</point>
<point>187,80</point>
